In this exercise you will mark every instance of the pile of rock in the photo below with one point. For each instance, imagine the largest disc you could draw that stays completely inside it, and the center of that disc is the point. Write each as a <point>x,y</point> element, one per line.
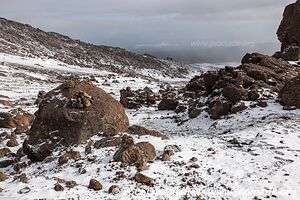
<point>18,118</point>
<point>227,89</point>
<point>289,33</point>
<point>135,99</point>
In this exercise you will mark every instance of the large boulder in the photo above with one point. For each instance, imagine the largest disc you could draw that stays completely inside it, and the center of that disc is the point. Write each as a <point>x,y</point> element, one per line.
<point>290,93</point>
<point>168,104</point>
<point>289,32</point>
<point>71,114</point>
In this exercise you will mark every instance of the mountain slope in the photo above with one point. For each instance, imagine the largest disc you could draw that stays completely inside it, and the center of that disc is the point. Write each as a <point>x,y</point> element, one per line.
<point>25,40</point>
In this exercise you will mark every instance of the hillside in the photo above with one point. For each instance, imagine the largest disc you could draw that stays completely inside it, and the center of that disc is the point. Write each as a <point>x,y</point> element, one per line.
<point>25,40</point>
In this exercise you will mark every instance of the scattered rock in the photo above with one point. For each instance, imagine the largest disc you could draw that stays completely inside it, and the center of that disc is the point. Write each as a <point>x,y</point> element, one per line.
<point>58,124</point>
<point>58,187</point>
<point>174,148</point>
<point>130,153</point>
<point>290,93</point>
<point>4,152</point>
<point>168,104</point>
<point>232,93</point>
<point>114,189</point>
<point>5,103</point>
<point>194,113</point>
<point>143,179</point>
<point>7,121</point>
<point>238,108</point>
<point>71,184</point>
<point>108,142</point>
<point>166,156</point>
<point>219,108</point>
<point>95,185</point>
<point>12,142</point>
<point>24,190</point>
<point>3,177</point>
<point>262,104</point>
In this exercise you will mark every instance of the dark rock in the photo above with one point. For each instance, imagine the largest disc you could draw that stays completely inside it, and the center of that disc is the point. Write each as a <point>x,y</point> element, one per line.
<point>4,152</point>
<point>238,108</point>
<point>59,124</point>
<point>168,104</point>
<point>130,153</point>
<point>12,142</point>
<point>219,108</point>
<point>233,93</point>
<point>262,104</point>
<point>95,185</point>
<point>142,131</point>
<point>71,184</point>
<point>194,113</point>
<point>289,31</point>
<point>58,187</point>
<point>6,163</point>
<point>180,109</point>
<point>143,179</point>
<point>253,95</point>
<point>114,189</point>
<point>290,93</point>
<point>108,142</point>
<point>3,176</point>
<point>210,79</point>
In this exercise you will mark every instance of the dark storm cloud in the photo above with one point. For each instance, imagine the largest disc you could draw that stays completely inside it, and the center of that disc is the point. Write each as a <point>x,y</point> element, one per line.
<point>142,24</point>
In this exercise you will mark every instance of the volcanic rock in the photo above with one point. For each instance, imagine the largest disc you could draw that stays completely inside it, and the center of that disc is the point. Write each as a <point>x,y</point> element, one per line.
<point>168,104</point>
<point>71,114</point>
<point>290,93</point>
<point>130,153</point>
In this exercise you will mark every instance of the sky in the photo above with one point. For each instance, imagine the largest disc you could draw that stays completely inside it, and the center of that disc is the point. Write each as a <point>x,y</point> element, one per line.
<point>189,30</point>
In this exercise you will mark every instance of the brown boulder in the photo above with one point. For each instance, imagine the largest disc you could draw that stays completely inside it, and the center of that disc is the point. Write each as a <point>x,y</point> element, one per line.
<point>108,142</point>
<point>290,93</point>
<point>71,114</point>
<point>95,185</point>
<point>19,119</point>
<point>168,104</point>
<point>233,93</point>
<point>4,152</point>
<point>219,108</point>
<point>130,153</point>
<point>143,179</point>
<point>7,121</point>
<point>3,177</point>
<point>238,108</point>
<point>210,79</point>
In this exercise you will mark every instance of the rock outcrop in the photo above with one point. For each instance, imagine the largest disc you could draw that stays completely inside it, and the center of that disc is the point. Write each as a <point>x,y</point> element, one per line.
<point>70,114</point>
<point>289,33</point>
<point>290,93</point>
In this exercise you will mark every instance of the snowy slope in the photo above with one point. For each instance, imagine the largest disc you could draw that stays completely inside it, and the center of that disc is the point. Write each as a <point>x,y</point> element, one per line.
<point>265,165</point>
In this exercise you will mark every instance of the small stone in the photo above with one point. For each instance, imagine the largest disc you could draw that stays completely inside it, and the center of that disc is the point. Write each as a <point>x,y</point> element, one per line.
<point>24,190</point>
<point>3,177</point>
<point>62,160</point>
<point>95,185</point>
<point>71,184</point>
<point>114,189</point>
<point>262,104</point>
<point>234,141</point>
<point>143,179</point>
<point>58,187</point>
<point>194,159</point>
<point>12,142</point>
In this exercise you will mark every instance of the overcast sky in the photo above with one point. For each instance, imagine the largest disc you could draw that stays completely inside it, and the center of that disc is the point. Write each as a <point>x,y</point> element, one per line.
<point>135,24</point>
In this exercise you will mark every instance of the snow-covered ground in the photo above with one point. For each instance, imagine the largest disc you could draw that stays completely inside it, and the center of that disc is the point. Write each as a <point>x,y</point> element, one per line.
<point>265,165</point>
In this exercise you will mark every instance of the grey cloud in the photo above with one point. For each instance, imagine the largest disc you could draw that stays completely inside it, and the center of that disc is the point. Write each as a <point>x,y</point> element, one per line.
<point>152,23</point>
